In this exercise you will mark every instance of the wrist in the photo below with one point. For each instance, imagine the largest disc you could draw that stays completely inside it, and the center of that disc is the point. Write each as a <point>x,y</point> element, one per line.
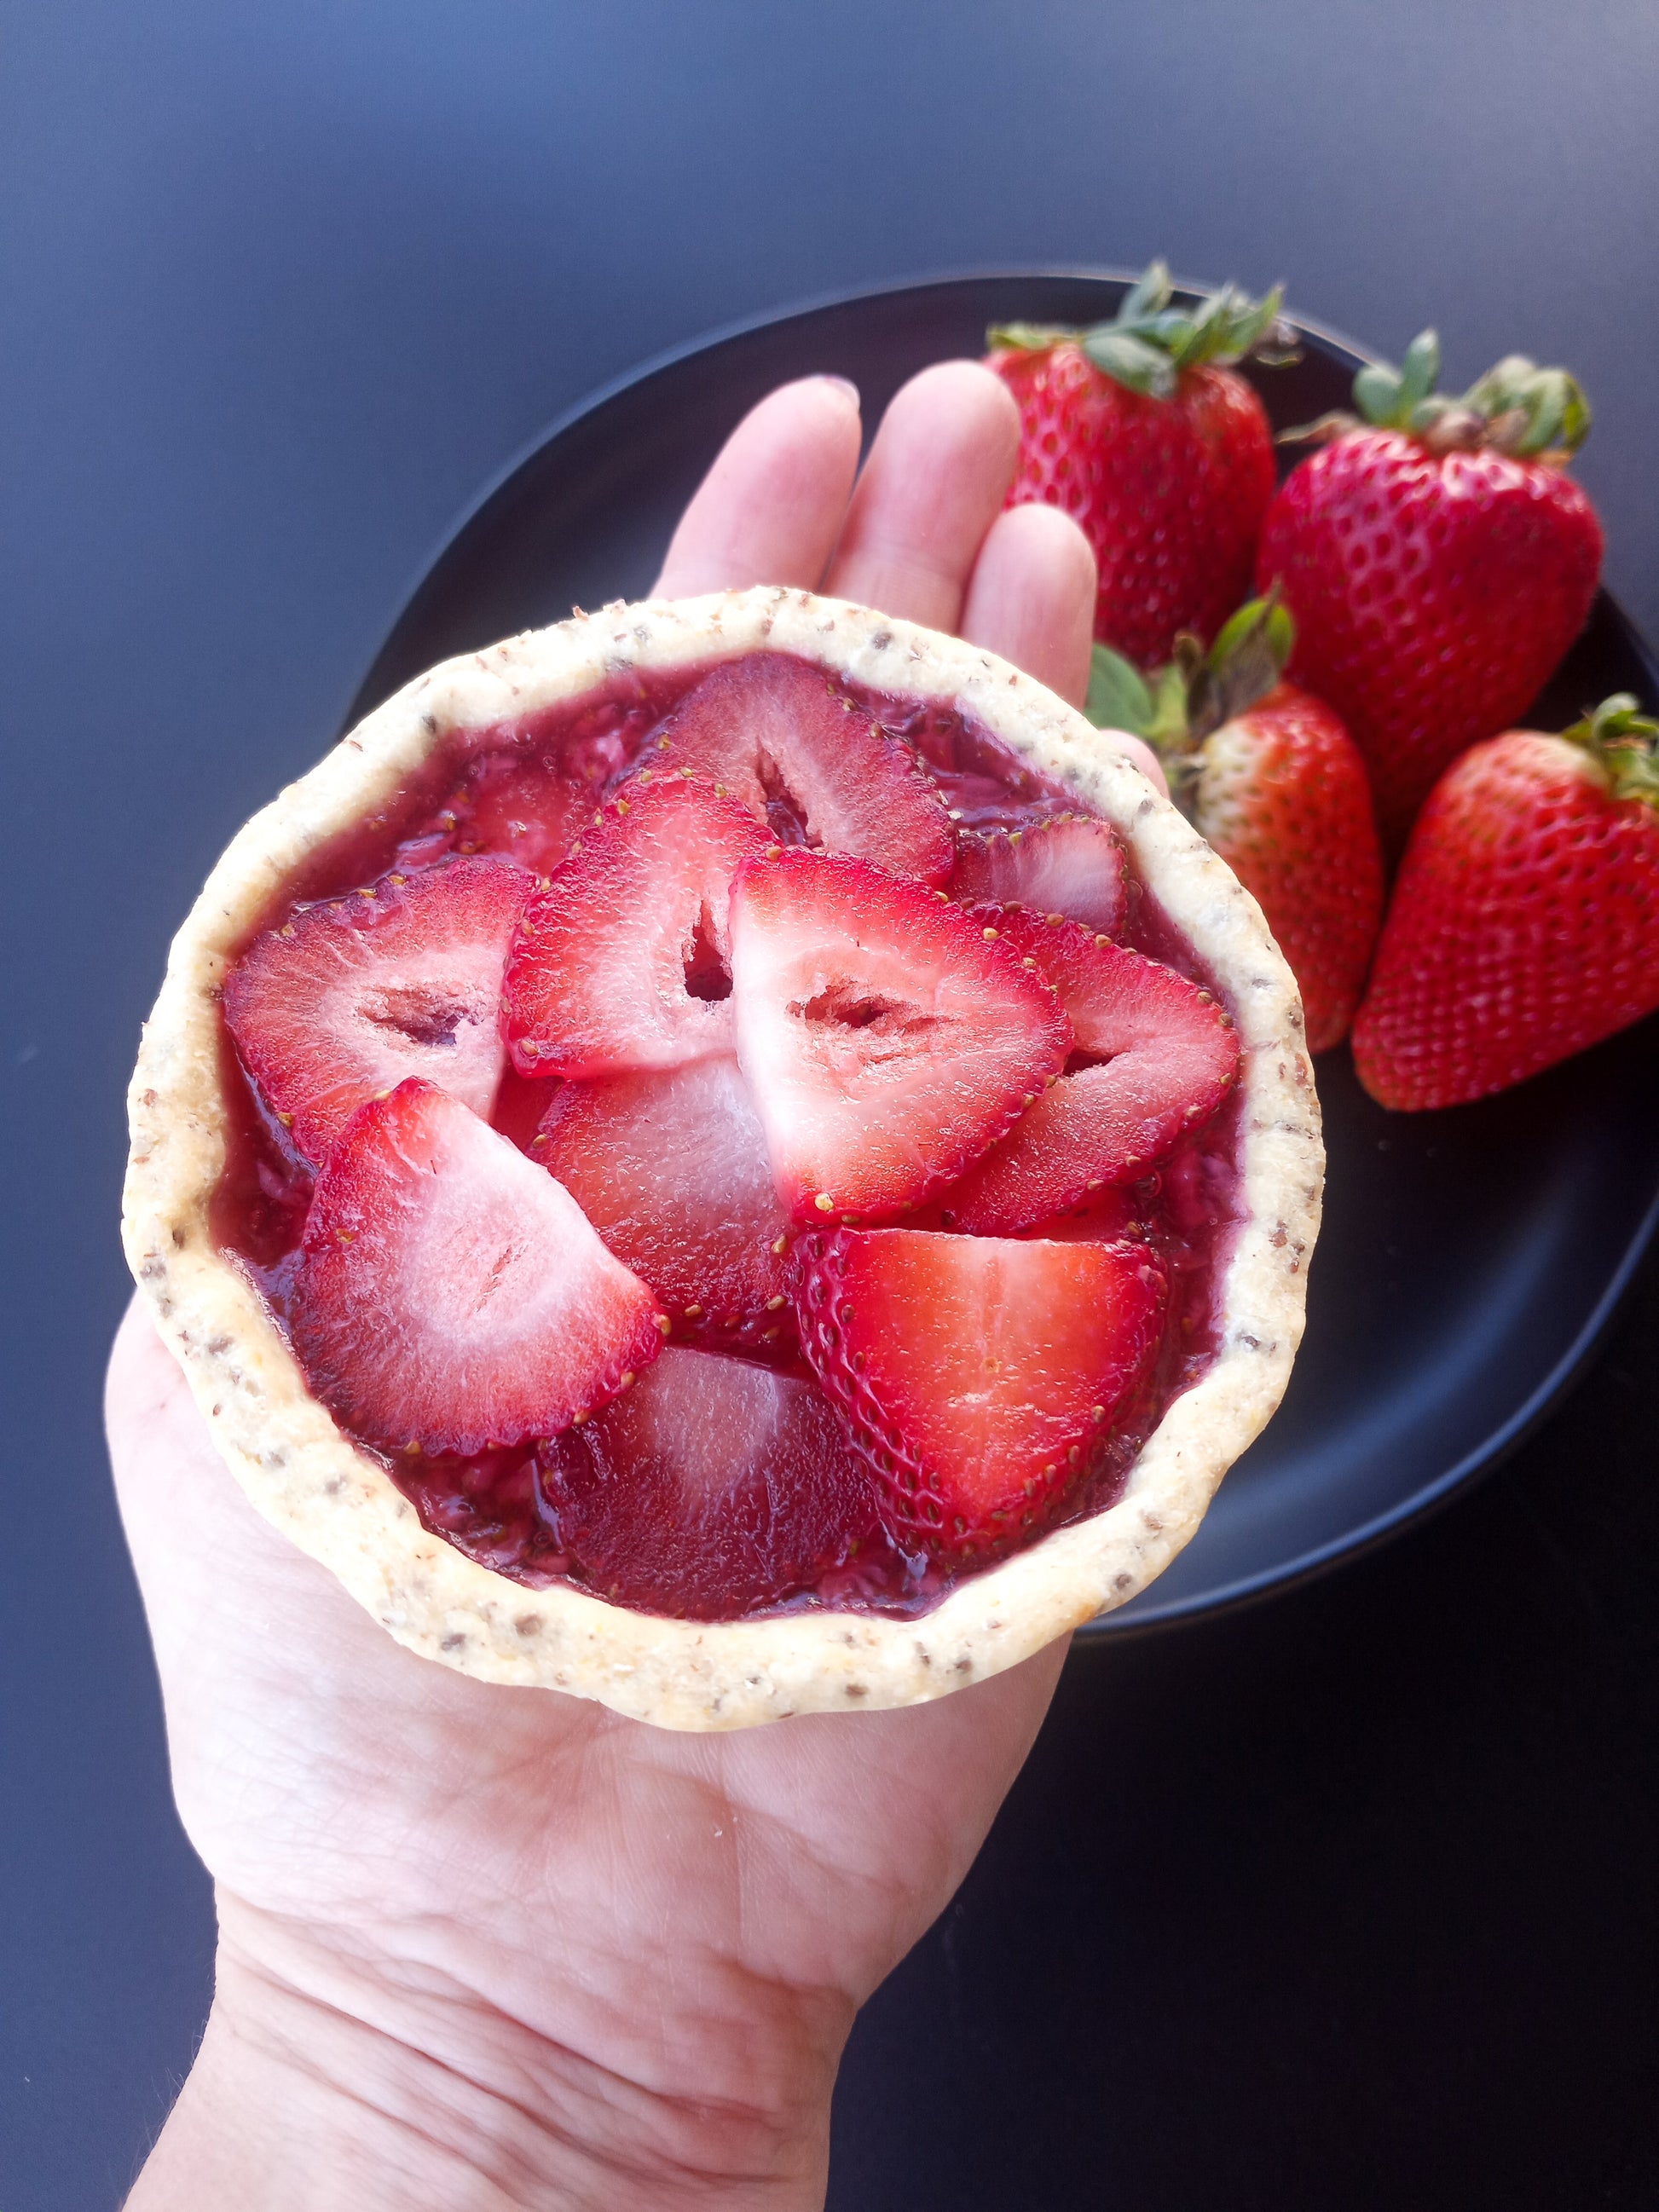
<point>332,2076</point>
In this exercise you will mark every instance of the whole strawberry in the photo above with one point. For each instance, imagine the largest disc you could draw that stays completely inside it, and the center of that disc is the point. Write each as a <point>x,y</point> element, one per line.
<point>1139,430</point>
<point>1525,915</point>
<point>1274,783</point>
<point>1438,561</point>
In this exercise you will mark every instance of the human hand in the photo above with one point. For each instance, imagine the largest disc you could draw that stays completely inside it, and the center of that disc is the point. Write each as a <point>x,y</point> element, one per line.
<point>489,1948</point>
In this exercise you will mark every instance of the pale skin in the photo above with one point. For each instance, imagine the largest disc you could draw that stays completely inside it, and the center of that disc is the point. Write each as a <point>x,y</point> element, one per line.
<point>480,1948</point>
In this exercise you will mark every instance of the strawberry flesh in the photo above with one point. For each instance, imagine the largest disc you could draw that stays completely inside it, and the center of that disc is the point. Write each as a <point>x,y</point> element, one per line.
<point>449,1294</point>
<point>788,743</point>
<point>886,1039</point>
<point>670,1169</point>
<point>1156,1057</point>
<point>352,996</point>
<point>527,808</point>
<point>621,961</point>
<point>1108,1217</point>
<point>713,1488</point>
<point>521,1105</point>
<point>1069,864</point>
<point>976,1375</point>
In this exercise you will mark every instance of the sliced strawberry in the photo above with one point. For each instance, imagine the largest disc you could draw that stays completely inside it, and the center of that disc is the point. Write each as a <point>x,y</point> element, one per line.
<point>780,736</point>
<point>620,962</point>
<point>713,1488</point>
<point>976,1375</point>
<point>523,806</point>
<point>352,996</point>
<point>450,1295</point>
<point>670,1169</point>
<point>521,1105</point>
<point>1108,1217</point>
<point>887,1040</point>
<point>1068,864</point>
<point>1155,1057</point>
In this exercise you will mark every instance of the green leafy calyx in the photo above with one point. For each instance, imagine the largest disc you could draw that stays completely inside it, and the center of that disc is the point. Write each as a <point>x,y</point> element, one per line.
<point>1149,342</point>
<point>1178,708</point>
<point>1515,408</point>
<point>1623,742</point>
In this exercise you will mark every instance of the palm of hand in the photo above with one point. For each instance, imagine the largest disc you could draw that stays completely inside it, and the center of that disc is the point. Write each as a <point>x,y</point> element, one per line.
<point>696,1917</point>
<point>535,1852</point>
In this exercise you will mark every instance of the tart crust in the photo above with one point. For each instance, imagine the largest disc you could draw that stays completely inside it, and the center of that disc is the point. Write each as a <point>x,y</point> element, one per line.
<point>340,1505</point>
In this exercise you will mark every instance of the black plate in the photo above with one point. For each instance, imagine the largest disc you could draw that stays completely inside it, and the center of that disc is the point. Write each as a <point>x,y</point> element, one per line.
<point>1468,1260</point>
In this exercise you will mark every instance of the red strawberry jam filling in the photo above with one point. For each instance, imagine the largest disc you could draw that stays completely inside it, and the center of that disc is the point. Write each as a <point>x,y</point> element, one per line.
<point>733,1142</point>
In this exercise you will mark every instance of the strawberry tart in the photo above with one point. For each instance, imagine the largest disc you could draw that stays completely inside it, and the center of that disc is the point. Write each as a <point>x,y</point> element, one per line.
<point>728,1156</point>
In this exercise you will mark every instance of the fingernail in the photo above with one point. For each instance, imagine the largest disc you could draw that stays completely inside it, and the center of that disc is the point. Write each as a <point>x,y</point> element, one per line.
<point>844,385</point>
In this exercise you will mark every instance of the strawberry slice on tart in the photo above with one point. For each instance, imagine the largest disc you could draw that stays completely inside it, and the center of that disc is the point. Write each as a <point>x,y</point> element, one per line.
<point>1155,1057</point>
<point>1112,1216</point>
<point>621,961</point>
<point>353,995</point>
<point>525,808</point>
<point>887,1039</point>
<point>977,1375</point>
<point>670,1166</point>
<point>1068,864</point>
<point>714,1486</point>
<point>789,744</point>
<point>449,1294</point>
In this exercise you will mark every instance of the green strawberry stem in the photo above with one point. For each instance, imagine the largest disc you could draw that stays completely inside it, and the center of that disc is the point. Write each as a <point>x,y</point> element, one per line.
<point>1181,705</point>
<point>1148,343</point>
<point>1515,408</point>
<point>1622,741</point>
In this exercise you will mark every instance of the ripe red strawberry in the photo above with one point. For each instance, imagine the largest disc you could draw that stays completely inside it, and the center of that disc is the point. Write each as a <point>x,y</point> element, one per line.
<point>1155,1057</point>
<point>783,739</point>
<point>1276,785</point>
<point>670,1166</point>
<point>711,1488</point>
<point>620,962</point>
<point>975,1374</point>
<point>1139,430</point>
<point>449,1294</point>
<point>1068,864</point>
<point>1438,563</point>
<point>885,1040</point>
<point>351,996</point>
<point>1524,917</point>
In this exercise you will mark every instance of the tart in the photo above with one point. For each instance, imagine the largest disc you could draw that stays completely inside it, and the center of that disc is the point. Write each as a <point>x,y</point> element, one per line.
<point>727,1157</point>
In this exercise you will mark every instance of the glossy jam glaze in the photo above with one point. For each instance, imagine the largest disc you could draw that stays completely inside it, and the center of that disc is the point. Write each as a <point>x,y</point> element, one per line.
<point>526,787</point>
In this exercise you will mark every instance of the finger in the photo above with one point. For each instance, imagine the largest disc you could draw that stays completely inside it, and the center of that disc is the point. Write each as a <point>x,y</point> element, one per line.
<point>938,473</point>
<point>1141,755</point>
<point>1031,598</point>
<point>772,506</point>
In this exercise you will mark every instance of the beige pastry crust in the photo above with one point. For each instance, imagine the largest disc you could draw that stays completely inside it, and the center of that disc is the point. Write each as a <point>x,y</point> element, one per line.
<point>339,1505</point>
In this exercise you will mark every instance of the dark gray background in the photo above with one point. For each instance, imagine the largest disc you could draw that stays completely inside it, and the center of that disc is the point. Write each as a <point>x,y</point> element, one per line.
<point>1347,1900</point>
